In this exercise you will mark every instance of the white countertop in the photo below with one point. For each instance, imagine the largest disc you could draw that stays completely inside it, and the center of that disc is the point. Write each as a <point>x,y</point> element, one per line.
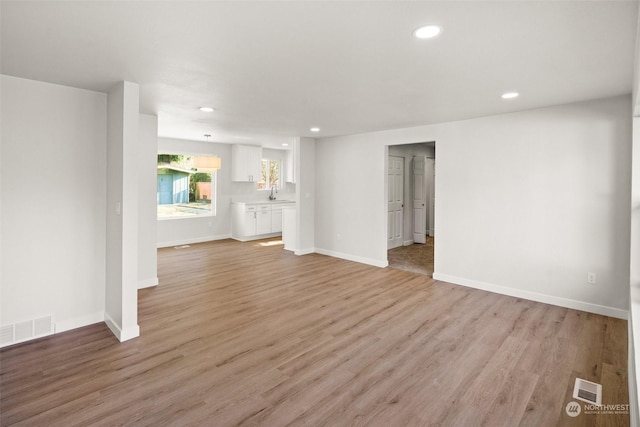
<point>264,202</point>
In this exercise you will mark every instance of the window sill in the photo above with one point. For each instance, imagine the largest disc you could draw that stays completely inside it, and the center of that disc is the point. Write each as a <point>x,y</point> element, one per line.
<point>177,217</point>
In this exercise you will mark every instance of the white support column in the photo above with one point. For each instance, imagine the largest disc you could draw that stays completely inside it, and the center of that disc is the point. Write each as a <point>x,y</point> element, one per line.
<point>305,194</point>
<point>121,297</point>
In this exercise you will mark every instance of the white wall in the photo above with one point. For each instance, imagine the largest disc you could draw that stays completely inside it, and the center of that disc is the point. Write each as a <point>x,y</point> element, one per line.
<point>526,203</point>
<point>147,211</point>
<point>634,306</point>
<point>53,203</point>
<point>176,231</point>
<point>350,203</point>
<point>634,259</point>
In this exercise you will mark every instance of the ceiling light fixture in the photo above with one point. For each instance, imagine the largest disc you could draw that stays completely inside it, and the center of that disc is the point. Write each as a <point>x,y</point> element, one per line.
<point>207,164</point>
<point>427,32</point>
<point>510,95</point>
<point>207,109</point>
<point>315,129</point>
<point>285,144</point>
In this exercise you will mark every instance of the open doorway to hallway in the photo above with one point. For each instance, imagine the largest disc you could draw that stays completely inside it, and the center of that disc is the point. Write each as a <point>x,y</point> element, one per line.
<point>416,257</point>
<point>417,237</point>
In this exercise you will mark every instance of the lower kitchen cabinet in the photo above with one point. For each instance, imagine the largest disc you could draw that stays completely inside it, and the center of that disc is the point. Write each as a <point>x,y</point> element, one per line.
<point>252,221</point>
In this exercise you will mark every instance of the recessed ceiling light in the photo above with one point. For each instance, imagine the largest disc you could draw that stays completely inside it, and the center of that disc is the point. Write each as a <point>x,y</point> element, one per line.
<point>207,109</point>
<point>315,129</point>
<point>510,95</point>
<point>285,145</point>
<point>427,32</point>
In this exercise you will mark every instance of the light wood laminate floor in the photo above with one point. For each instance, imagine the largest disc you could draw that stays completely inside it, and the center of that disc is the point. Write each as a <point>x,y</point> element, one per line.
<point>249,334</point>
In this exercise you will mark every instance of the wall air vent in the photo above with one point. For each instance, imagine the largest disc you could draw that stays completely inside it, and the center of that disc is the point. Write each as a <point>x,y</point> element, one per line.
<point>587,391</point>
<point>42,326</point>
<point>24,331</point>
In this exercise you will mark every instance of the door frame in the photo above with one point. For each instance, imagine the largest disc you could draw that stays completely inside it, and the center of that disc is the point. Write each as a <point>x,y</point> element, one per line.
<point>407,208</point>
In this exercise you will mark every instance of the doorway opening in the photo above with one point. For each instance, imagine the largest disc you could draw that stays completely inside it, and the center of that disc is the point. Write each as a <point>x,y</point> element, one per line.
<point>411,207</point>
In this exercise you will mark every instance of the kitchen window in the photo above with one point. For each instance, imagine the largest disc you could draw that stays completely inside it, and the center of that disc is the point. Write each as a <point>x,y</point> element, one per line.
<point>270,175</point>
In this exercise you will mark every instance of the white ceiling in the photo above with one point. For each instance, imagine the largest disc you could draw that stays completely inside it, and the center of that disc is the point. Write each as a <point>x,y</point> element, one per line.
<point>272,70</point>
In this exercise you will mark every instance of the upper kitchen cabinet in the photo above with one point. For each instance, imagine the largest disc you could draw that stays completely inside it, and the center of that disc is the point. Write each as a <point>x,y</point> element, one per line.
<point>245,163</point>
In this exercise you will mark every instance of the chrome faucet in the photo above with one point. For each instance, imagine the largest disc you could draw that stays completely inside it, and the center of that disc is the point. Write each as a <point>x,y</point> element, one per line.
<point>272,196</point>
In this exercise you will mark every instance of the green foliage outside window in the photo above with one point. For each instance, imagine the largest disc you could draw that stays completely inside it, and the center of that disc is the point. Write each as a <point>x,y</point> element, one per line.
<point>269,175</point>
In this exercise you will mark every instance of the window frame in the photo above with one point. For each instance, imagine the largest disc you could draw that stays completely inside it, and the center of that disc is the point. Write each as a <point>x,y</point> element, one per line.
<point>268,174</point>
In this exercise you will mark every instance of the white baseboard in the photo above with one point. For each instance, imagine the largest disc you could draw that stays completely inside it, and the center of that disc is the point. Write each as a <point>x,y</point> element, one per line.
<point>256,237</point>
<point>349,257</point>
<point>130,333</point>
<point>305,251</point>
<point>111,324</point>
<point>193,240</point>
<point>534,296</point>
<point>79,322</point>
<point>408,242</point>
<point>147,283</point>
<point>121,334</point>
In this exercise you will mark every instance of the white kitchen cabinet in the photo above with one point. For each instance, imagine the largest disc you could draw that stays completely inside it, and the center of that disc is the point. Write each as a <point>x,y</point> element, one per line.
<point>263,225</point>
<point>245,163</point>
<point>250,221</point>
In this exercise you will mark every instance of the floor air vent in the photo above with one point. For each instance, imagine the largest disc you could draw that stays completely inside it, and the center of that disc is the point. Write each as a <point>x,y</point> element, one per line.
<point>24,331</point>
<point>587,391</point>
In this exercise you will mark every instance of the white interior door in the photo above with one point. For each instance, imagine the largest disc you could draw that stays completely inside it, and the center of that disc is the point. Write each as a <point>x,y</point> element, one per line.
<point>420,199</point>
<point>395,202</point>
